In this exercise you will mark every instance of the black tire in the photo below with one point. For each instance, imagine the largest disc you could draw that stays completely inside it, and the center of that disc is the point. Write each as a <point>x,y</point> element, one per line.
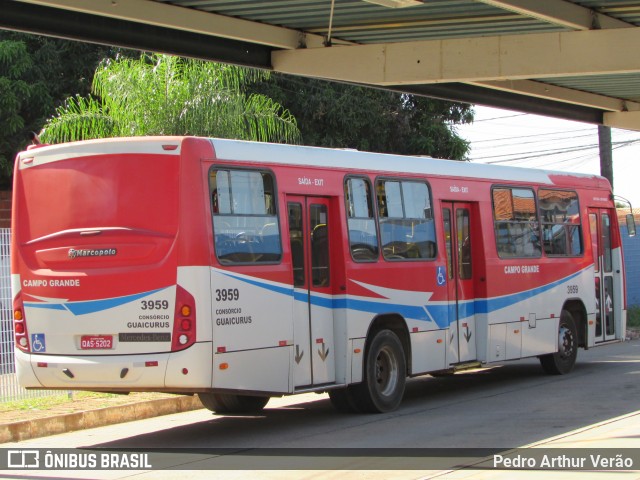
<point>384,375</point>
<point>563,361</point>
<point>227,403</point>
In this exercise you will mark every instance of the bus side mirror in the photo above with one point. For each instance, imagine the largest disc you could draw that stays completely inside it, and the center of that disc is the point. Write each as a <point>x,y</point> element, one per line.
<point>631,225</point>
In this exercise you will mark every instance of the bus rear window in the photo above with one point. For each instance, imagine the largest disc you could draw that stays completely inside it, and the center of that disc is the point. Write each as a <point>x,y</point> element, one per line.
<point>245,221</point>
<point>99,192</point>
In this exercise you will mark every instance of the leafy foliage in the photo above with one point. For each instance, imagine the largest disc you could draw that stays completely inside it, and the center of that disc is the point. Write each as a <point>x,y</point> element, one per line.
<point>16,96</point>
<point>633,316</point>
<point>166,95</point>
<point>348,116</point>
<point>36,74</point>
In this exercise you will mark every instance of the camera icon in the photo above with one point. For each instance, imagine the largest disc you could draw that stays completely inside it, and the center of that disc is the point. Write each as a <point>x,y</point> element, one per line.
<point>23,459</point>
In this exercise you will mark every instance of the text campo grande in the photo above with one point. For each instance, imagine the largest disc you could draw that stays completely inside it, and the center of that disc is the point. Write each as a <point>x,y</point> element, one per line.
<point>54,282</point>
<point>517,269</point>
<point>563,462</point>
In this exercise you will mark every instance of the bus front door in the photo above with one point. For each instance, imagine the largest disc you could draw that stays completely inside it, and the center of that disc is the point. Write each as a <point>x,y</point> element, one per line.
<point>458,240</point>
<point>314,353</point>
<point>600,229</point>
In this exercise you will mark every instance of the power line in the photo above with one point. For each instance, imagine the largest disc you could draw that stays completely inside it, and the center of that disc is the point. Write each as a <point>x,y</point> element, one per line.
<point>500,118</point>
<point>552,152</point>
<point>514,142</point>
<point>536,135</point>
<point>588,156</point>
<point>537,153</point>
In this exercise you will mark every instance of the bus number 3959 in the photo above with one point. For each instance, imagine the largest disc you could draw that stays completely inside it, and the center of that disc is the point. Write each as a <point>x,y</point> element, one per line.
<point>155,304</point>
<point>227,294</point>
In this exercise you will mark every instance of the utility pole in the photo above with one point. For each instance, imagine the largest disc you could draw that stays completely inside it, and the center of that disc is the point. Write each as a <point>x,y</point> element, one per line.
<point>606,155</point>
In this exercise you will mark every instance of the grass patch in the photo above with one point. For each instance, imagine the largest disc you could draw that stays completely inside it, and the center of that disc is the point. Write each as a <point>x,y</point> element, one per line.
<point>45,403</point>
<point>60,403</point>
<point>633,316</point>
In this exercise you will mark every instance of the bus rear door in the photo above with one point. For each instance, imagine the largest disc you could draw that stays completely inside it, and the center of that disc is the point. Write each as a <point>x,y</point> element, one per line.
<point>604,270</point>
<point>458,237</point>
<point>314,352</point>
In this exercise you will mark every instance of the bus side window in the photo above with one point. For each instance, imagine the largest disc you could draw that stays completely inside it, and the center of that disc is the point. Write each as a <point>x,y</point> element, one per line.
<point>405,215</point>
<point>363,237</point>
<point>245,221</point>
<point>297,243</point>
<point>516,223</point>
<point>560,215</point>
<point>464,244</point>
<point>320,276</point>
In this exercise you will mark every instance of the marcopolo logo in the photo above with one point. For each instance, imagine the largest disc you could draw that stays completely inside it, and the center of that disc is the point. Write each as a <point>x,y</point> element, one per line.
<point>89,252</point>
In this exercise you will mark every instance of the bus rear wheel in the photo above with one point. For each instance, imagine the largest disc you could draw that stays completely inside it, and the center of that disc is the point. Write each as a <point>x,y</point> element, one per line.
<point>228,403</point>
<point>385,372</point>
<point>562,362</point>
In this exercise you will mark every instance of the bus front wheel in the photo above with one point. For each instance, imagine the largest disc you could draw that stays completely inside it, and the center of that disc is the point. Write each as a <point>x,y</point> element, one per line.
<point>562,362</point>
<point>227,403</point>
<point>385,372</point>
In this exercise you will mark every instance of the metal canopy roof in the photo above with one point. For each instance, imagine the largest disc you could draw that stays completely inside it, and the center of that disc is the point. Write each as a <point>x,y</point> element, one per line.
<point>575,59</point>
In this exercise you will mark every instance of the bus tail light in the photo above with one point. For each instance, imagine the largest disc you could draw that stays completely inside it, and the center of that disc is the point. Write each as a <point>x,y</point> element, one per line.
<point>20,325</point>
<point>184,321</point>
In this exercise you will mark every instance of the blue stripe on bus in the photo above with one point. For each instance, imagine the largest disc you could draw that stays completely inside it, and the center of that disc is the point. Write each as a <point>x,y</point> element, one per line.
<point>441,313</point>
<point>491,305</point>
<point>91,306</point>
<point>438,312</point>
<point>274,288</point>
<point>47,306</point>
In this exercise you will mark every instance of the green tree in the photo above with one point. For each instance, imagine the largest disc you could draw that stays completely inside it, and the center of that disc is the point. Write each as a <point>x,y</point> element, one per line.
<point>341,115</point>
<point>36,74</point>
<point>16,96</point>
<point>167,95</point>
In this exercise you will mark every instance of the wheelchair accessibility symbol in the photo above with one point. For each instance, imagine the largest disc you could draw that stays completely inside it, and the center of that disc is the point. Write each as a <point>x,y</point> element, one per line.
<point>38,343</point>
<point>441,279</point>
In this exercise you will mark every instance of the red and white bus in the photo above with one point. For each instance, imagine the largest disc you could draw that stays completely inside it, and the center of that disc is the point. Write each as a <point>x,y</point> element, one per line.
<point>241,271</point>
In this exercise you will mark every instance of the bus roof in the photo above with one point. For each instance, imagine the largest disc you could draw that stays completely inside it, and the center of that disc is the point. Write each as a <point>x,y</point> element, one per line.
<point>345,159</point>
<point>239,150</point>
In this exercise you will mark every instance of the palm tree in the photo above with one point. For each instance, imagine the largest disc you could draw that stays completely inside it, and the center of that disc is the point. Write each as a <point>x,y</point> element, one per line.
<point>166,95</point>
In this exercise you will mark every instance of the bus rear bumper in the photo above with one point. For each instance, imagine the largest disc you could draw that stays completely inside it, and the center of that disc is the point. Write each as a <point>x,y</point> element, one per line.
<point>190,368</point>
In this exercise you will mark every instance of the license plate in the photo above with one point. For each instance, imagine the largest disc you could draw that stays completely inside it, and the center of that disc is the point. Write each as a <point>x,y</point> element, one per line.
<point>96,342</point>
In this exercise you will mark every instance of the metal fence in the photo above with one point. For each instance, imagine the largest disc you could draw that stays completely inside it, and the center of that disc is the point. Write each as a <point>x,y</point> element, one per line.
<point>9,388</point>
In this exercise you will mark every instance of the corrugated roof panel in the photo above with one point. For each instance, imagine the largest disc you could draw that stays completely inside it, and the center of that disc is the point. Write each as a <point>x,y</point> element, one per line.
<point>624,86</point>
<point>439,32</point>
<point>358,21</point>
<point>626,10</point>
<point>362,22</point>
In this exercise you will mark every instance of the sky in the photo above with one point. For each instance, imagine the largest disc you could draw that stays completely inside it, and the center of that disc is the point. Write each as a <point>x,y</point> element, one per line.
<point>505,137</point>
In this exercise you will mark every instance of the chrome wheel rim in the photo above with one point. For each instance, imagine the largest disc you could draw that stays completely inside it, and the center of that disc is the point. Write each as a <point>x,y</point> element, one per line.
<point>566,342</point>
<point>386,374</point>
